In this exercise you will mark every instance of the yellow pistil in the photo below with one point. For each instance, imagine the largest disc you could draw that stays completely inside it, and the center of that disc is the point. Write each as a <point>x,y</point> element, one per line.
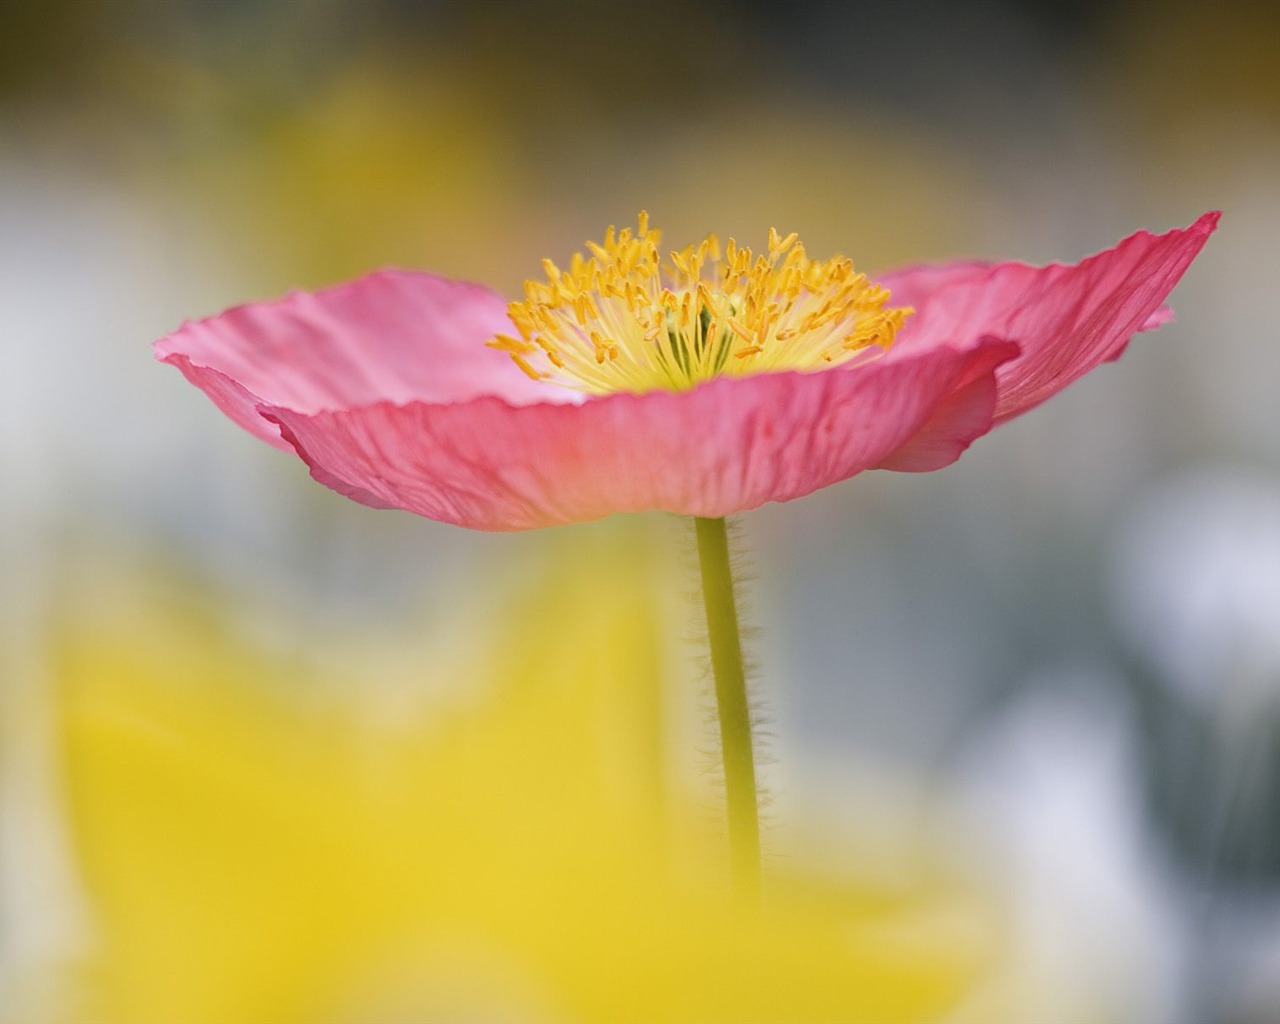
<point>622,320</point>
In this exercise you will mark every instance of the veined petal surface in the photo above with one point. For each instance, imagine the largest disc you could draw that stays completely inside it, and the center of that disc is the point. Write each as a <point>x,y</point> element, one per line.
<point>1067,319</point>
<point>727,446</point>
<point>390,336</point>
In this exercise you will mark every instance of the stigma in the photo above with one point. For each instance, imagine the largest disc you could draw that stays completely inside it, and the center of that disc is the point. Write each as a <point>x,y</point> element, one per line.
<point>621,318</point>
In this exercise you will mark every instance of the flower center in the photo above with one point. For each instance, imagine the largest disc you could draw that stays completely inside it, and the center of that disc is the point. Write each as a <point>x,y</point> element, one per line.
<point>622,320</point>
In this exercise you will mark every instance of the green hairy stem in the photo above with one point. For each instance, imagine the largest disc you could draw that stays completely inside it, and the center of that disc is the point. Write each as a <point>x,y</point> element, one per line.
<point>732,707</point>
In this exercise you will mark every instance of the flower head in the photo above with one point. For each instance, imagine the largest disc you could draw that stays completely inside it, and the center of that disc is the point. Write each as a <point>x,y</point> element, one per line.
<point>705,386</point>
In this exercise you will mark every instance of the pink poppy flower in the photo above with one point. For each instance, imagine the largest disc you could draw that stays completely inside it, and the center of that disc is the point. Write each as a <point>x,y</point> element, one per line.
<point>705,385</point>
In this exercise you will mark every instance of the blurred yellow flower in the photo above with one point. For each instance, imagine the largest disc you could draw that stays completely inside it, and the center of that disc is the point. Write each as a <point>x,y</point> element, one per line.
<point>254,852</point>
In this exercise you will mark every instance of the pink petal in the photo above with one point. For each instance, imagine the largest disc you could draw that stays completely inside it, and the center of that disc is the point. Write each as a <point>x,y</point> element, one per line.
<point>1066,319</point>
<point>727,446</point>
<point>391,336</point>
<point>963,416</point>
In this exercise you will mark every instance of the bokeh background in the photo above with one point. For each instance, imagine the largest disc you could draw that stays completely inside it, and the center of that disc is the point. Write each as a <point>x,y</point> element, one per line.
<point>269,755</point>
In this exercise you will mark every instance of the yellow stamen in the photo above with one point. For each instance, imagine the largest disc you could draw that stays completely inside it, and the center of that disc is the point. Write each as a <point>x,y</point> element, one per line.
<point>523,363</point>
<point>622,320</point>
